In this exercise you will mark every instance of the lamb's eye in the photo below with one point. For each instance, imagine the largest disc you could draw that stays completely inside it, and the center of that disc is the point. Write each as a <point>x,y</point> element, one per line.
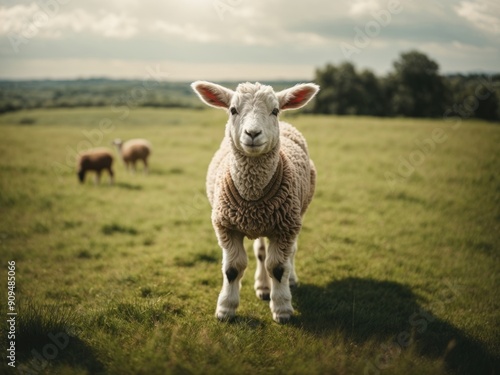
<point>275,111</point>
<point>233,111</point>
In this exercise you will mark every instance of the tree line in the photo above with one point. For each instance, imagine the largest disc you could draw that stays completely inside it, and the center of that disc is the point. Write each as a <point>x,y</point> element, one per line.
<point>414,88</point>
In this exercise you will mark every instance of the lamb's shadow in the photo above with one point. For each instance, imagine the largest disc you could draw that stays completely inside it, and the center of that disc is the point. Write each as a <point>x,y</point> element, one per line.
<point>39,352</point>
<point>47,336</point>
<point>364,309</point>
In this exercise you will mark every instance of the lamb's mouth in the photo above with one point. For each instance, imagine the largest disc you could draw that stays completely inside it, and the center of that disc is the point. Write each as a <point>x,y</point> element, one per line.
<point>253,145</point>
<point>253,149</point>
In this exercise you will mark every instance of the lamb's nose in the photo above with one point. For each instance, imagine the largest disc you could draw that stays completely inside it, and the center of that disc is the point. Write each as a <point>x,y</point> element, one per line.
<point>253,133</point>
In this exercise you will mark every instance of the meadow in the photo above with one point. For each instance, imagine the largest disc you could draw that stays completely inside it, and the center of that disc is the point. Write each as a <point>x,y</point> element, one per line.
<point>398,258</point>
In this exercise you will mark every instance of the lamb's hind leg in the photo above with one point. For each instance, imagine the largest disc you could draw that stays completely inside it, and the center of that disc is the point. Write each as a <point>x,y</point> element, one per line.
<point>262,284</point>
<point>279,267</point>
<point>234,263</point>
<point>293,279</point>
<point>97,177</point>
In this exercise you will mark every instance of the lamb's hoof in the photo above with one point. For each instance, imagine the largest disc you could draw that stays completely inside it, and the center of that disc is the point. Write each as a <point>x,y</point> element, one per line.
<point>281,318</point>
<point>225,315</point>
<point>263,293</point>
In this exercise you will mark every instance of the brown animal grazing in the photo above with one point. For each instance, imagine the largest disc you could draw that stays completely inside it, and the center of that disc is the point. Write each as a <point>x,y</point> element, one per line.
<point>95,160</point>
<point>133,150</point>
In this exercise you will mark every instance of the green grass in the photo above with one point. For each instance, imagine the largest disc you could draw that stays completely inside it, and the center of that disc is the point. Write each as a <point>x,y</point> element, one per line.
<point>398,275</point>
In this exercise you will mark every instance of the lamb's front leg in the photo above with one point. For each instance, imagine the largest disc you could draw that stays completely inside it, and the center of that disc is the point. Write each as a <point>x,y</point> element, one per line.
<point>234,263</point>
<point>279,267</point>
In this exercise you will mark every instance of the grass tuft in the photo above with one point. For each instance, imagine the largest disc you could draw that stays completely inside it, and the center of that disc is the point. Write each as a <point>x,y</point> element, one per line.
<point>84,254</point>
<point>110,229</point>
<point>27,121</point>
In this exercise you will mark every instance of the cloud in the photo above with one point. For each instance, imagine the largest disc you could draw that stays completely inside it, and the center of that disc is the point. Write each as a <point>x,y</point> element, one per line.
<point>113,25</point>
<point>482,14</point>
<point>187,31</point>
<point>32,20</point>
<point>16,18</point>
<point>363,7</point>
<point>276,34</point>
<point>412,24</point>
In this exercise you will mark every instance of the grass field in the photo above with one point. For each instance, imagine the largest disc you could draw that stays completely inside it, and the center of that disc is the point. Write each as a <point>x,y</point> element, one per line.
<point>398,257</point>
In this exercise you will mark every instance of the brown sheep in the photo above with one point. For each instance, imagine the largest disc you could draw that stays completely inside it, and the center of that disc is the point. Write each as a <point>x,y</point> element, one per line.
<point>133,150</point>
<point>95,160</point>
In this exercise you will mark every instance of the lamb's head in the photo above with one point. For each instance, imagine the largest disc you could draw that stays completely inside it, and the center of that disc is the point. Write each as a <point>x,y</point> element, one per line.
<point>117,142</point>
<point>81,175</point>
<point>253,110</point>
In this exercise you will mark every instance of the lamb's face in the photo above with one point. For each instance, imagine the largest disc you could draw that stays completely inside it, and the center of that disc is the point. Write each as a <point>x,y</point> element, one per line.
<point>253,109</point>
<point>253,125</point>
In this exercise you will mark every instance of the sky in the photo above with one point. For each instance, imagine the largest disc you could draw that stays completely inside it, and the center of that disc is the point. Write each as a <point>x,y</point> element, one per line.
<point>240,39</point>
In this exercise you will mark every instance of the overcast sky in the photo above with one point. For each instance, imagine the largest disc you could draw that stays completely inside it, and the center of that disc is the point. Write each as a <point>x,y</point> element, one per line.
<point>240,39</point>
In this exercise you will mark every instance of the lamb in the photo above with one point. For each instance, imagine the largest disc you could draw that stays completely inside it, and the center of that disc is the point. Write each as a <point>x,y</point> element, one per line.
<point>95,160</point>
<point>259,183</point>
<point>133,150</point>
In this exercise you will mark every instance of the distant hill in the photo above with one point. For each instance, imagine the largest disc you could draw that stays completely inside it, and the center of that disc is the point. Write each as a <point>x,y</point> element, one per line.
<point>99,92</point>
<point>344,91</point>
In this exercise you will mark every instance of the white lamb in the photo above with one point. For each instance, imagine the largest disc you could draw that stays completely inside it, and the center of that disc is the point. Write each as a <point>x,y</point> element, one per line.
<point>133,150</point>
<point>259,184</point>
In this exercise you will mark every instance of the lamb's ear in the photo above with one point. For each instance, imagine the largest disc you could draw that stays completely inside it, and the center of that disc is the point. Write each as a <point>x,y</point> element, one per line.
<point>297,96</point>
<point>212,94</point>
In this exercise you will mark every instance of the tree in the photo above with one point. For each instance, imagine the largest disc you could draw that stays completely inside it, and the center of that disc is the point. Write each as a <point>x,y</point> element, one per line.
<point>474,96</point>
<point>415,87</point>
<point>346,92</point>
